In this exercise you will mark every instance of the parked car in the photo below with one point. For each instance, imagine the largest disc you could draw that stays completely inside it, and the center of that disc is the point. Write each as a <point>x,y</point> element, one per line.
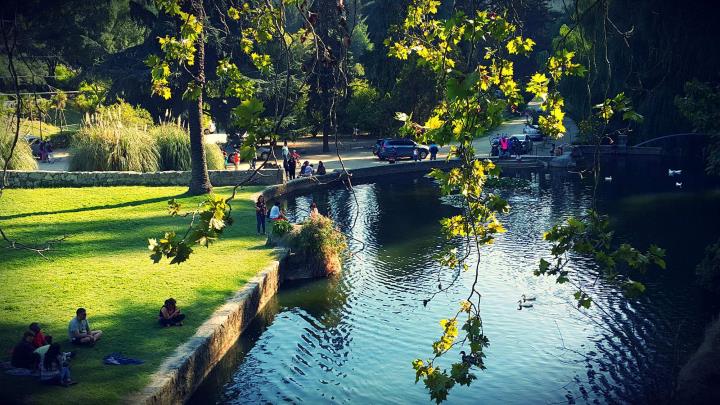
<point>378,145</point>
<point>400,148</point>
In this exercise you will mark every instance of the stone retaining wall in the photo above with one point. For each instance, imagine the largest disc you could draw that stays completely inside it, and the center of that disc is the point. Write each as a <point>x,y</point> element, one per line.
<point>184,371</point>
<point>180,374</point>
<point>39,178</point>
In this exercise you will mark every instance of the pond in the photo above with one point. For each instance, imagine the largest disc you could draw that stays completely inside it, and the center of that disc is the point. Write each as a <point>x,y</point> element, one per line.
<point>352,338</point>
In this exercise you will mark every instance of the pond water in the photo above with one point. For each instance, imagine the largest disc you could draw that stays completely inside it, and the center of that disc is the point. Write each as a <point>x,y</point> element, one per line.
<point>352,338</point>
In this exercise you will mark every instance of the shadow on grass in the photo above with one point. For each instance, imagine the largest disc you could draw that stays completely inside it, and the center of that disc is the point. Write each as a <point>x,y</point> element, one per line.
<point>92,237</point>
<point>97,207</point>
<point>132,330</point>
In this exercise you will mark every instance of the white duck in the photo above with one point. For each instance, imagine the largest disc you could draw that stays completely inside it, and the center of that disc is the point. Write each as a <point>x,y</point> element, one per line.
<point>608,179</point>
<point>673,173</point>
<point>678,184</point>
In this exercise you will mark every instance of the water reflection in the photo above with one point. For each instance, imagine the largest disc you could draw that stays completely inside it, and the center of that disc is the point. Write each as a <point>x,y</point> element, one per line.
<point>351,338</point>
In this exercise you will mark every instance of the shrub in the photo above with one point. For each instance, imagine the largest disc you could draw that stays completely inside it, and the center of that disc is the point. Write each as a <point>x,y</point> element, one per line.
<point>281,227</point>
<point>214,157</point>
<point>320,235</point>
<point>173,143</point>
<point>111,146</point>
<point>22,158</point>
<point>124,114</point>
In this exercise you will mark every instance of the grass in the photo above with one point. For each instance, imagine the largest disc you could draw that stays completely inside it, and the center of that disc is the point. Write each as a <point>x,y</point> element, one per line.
<point>104,266</point>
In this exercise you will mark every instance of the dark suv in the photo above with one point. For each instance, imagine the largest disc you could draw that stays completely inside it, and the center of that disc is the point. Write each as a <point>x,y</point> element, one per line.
<point>400,148</point>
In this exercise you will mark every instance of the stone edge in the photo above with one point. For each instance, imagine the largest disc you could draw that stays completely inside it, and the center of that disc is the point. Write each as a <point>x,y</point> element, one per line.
<point>180,374</point>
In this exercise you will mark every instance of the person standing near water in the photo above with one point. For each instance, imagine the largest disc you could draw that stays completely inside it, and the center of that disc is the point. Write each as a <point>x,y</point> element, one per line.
<point>260,213</point>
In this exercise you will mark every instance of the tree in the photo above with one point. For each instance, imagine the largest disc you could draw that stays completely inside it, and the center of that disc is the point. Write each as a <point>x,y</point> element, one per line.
<point>328,80</point>
<point>187,51</point>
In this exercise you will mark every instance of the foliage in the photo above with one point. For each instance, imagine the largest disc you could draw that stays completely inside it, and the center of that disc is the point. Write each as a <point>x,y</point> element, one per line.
<point>124,114</point>
<point>209,222</point>
<point>173,143</point>
<point>592,236</point>
<point>22,158</point>
<point>320,235</point>
<point>708,270</point>
<point>103,266</point>
<point>281,227</point>
<point>362,109</point>
<point>91,96</point>
<point>110,146</point>
<point>699,105</point>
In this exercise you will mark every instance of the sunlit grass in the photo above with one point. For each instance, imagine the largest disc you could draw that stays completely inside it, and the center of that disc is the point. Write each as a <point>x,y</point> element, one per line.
<point>104,266</point>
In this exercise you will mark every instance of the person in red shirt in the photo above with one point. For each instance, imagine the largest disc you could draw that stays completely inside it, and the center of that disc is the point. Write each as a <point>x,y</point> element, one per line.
<point>40,339</point>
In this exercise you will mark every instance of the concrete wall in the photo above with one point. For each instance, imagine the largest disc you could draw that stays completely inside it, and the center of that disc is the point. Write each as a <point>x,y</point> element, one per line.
<point>36,179</point>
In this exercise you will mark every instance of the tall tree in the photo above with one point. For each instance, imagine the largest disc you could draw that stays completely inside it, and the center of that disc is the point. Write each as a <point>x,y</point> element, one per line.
<point>328,79</point>
<point>200,180</point>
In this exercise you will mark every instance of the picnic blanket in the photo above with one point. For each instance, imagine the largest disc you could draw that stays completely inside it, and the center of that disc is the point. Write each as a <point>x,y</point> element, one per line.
<point>117,359</point>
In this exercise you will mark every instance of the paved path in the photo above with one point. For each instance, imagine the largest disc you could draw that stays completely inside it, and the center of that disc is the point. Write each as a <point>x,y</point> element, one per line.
<point>358,153</point>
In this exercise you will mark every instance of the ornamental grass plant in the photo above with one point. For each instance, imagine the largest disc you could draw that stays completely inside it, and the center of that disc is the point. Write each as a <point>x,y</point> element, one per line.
<point>173,143</point>
<point>22,158</point>
<point>109,141</point>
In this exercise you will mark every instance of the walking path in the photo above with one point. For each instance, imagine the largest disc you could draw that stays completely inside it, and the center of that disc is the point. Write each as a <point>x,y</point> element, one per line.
<point>358,153</point>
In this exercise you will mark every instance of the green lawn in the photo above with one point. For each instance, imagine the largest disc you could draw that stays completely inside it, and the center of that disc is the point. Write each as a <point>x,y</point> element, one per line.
<point>104,266</point>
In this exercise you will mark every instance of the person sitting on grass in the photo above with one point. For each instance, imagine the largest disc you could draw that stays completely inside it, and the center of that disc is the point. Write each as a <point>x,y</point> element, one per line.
<point>170,314</point>
<point>40,339</point>
<point>54,368</point>
<point>22,354</point>
<point>79,330</point>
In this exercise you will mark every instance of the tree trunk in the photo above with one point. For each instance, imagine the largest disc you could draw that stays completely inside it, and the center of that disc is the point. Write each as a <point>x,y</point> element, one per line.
<point>200,180</point>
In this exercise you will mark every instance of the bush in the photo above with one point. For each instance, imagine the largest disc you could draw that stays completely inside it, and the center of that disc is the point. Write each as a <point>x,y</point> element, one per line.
<point>320,235</point>
<point>173,144</point>
<point>281,227</point>
<point>112,147</point>
<point>214,157</point>
<point>22,158</point>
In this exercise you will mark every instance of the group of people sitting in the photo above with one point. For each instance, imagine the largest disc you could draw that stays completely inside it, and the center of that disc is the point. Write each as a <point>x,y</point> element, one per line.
<point>37,354</point>
<point>292,159</point>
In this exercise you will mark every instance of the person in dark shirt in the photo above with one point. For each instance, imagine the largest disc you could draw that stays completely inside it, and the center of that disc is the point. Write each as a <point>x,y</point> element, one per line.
<point>321,169</point>
<point>22,355</point>
<point>170,314</point>
<point>260,214</point>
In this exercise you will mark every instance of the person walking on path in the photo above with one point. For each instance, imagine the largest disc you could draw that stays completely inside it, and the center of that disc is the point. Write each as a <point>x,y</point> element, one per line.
<point>260,213</point>
<point>434,149</point>
<point>292,165</point>
<point>285,151</point>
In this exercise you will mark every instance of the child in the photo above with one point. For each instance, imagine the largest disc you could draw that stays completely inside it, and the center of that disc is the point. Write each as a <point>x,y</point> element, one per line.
<point>40,339</point>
